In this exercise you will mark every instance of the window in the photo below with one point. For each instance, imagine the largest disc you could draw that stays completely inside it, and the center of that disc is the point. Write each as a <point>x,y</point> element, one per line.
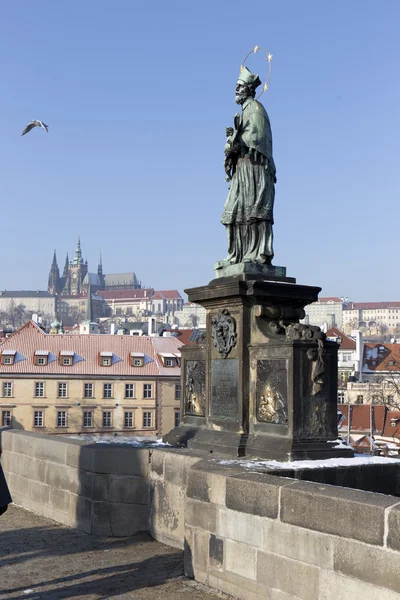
<point>106,359</point>
<point>147,390</point>
<point>66,361</point>
<point>340,397</point>
<point>88,390</point>
<point>128,419</point>
<point>41,357</point>
<point>39,391</point>
<point>38,418</point>
<point>88,418</point>
<point>137,359</point>
<point>177,418</point>
<point>147,419</point>
<point>7,389</point>
<point>169,362</point>
<point>62,390</point>
<point>107,390</point>
<point>375,398</point>
<point>107,418</point>
<point>129,390</point>
<point>6,418</point>
<point>8,357</point>
<point>360,399</point>
<point>177,391</point>
<point>62,418</point>
<point>390,399</point>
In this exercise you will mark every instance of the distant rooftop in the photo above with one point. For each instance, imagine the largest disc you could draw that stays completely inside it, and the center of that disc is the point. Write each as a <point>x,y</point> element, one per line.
<point>25,294</point>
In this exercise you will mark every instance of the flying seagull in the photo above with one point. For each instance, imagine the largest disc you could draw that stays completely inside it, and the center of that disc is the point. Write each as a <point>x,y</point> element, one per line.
<point>35,123</point>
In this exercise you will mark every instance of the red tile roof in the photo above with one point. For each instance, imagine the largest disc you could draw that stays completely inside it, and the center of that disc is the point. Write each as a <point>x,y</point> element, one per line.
<point>171,294</point>
<point>371,305</point>
<point>361,417</point>
<point>390,430</point>
<point>381,357</point>
<point>30,338</point>
<point>329,299</point>
<point>347,342</point>
<point>126,294</point>
<point>184,335</point>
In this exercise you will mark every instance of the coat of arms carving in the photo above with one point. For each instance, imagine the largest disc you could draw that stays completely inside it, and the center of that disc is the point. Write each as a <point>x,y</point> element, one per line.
<point>223,331</point>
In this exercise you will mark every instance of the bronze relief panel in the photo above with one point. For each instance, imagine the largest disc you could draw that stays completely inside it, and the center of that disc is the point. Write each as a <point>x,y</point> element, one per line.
<point>272,389</point>
<point>195,387</point>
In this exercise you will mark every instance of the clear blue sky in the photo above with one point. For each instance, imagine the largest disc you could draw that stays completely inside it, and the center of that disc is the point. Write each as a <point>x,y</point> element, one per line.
<point>137,96</point>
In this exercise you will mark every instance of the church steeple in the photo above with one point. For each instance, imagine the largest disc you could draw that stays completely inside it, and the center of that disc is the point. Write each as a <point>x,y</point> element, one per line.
<point>65,273</point>
<point>100,267</point>
<point>54,276</point>
<point>54,263</point>
<point>78,260</point>
<point>89,304</point>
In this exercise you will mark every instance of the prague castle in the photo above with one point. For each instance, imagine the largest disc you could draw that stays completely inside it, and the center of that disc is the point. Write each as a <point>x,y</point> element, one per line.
<point>76,277</point>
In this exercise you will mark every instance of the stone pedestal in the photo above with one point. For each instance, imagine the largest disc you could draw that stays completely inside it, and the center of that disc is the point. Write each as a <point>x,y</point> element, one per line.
<point>262,384</point>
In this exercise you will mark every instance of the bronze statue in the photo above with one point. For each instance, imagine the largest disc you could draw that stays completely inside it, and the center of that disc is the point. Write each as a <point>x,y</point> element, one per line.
<point>249,165</point>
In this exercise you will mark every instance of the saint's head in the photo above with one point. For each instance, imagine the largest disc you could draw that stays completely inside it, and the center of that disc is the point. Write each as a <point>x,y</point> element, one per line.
<point>246,85</point>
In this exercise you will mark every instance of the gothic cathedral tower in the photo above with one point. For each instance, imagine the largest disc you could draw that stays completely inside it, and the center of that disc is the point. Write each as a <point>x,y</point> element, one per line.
<point>54,277</point>
<point>77,271</point>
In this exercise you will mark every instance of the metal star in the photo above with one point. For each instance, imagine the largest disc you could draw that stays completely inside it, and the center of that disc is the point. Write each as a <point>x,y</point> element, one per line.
<point>269,57</point>
<point>255,49</point>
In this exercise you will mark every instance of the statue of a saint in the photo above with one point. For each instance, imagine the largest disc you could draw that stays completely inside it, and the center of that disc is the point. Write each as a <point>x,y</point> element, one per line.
<point>248,211</point>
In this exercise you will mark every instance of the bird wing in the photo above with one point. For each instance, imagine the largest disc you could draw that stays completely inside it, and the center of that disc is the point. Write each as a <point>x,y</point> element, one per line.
<point>43,126</point>
<point>30,126</point>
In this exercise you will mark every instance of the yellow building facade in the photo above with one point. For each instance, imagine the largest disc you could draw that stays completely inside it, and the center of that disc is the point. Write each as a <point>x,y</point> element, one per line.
<point>63,384</point>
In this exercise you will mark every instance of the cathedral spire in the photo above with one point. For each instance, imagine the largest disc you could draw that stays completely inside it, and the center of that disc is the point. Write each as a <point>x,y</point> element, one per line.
<point>65,273</point>
<point>54,276</point>
<point>54,263</point>
<point>78,252</point>
<point>89,304</point>
<point>100,267</point>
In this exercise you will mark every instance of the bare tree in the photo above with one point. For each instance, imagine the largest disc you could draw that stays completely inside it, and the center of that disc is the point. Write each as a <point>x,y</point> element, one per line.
<point>15,316</point>
<point>387,387</point>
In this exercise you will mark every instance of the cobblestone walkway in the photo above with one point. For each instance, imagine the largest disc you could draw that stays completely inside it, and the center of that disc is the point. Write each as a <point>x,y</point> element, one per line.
<point>40,559</point>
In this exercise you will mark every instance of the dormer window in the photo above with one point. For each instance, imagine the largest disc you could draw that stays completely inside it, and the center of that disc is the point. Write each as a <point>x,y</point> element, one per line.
<point>67,358</point>
<point>8,357</point>
<point>106,359</point>
<point>137,359</point>
<point>169,360</point>
<point>41,357</point>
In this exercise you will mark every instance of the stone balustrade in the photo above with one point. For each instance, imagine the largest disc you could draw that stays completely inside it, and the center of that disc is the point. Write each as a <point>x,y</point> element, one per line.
<point>250,534</point>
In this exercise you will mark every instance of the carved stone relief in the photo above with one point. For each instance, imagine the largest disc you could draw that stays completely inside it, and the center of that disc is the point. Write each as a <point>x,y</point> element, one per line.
<point>223,331</point>
<point>317,358</point>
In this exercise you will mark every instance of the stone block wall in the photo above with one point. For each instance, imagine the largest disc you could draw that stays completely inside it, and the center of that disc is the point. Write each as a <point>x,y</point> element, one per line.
<point>252,535</point>
<point>101,489</point>
<point>267,537</point>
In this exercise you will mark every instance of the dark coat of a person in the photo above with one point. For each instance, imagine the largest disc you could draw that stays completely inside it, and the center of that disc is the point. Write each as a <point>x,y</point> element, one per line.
<point>5,496</point>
